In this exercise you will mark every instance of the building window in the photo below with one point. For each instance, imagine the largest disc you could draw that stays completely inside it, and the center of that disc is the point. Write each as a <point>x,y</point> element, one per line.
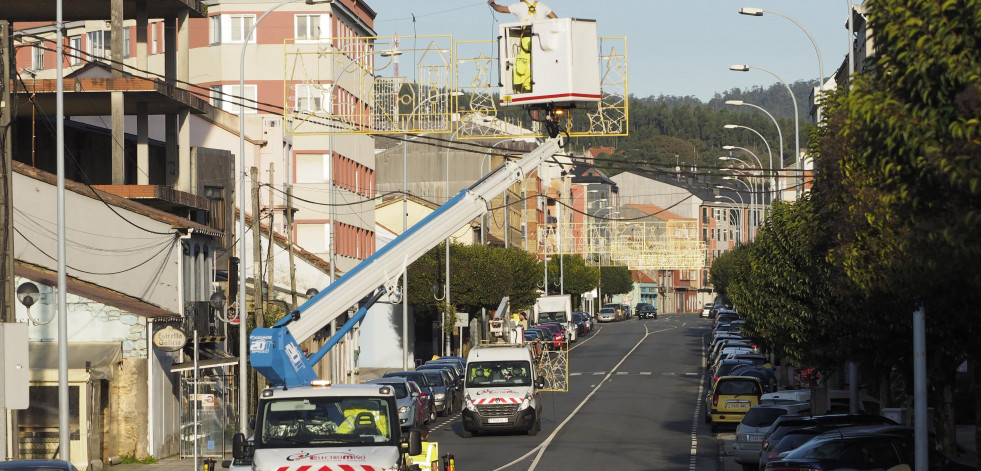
<point>238,26</point>
<point>309,99</point>
<point>37,62</point>
<point>126,43</point>
<point>98,44</point>
<point>153,38</point>
<point>314,237</point>
<point>215,22</point>
<point>308,27</point>
<point>74,50</point>
<point>312,168</point>
<point>216,97</point>
<point>231,95</point>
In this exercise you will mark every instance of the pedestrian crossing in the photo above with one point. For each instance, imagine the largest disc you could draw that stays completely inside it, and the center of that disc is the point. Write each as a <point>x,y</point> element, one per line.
<point>633,373</point>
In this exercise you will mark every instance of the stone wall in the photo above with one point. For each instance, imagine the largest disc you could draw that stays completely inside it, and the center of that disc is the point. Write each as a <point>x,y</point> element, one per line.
<point>128,410</point>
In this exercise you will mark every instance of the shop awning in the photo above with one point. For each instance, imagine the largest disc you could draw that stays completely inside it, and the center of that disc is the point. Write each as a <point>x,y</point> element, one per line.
<point>97,358</point>
<point>208,357</point>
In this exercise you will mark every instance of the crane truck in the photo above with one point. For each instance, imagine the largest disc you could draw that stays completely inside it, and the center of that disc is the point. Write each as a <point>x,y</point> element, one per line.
<point>302,422</point>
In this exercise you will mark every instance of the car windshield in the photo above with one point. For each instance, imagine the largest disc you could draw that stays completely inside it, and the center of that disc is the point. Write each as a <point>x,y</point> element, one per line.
<point>762,416</point>
<point>499,373</point>
<point>324,421</point>
<point>435,378</point>
<point>416,376</point>
<point>551,317</point>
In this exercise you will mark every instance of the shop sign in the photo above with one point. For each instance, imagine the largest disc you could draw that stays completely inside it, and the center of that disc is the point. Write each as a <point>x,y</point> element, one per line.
<point>169,339</point>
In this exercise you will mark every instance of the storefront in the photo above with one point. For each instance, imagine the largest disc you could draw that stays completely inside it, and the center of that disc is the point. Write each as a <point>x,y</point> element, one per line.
<point>91,367</point>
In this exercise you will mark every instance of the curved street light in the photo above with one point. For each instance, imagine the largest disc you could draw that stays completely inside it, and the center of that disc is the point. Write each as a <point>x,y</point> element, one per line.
<point>740,205</point>
<point>745,68</point>
<point>749,224</point>
<point>760,12</point>
<point>773,180</point>
<point>770,169</point>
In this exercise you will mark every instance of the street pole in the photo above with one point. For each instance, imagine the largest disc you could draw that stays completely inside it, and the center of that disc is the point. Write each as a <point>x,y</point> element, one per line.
<point>64,433</point>
<point>405,270</point>
<point>920,437</point>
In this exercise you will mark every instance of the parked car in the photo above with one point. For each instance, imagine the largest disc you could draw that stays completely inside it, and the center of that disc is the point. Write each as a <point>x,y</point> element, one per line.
<point>860,450</point>
<point>444,389</point>
<point>645,311</point>
<point>626,311</point>
<point>423,381</point>
<point>558,334</point>
<point>791,441</point>
<point>405,399</point>
<point>749,432</point>
<point>579,320</point>
<point>459,363</point>
<point>607,314</point>
<point>533,341</point>
<point>724,368</point>
<point>730,399</point>
<point>788,422</point>
<point>618,308</point>
<point>707,310</point>
<point>762,373</point>
<point>457,379</point>
<point>425,403</point>
<point>38,465</point>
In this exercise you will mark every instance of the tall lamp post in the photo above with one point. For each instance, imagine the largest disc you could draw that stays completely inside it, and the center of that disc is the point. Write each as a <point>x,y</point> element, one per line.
<point>759,163</point>
<point>770,169</point>
<point>760,12</point>
<point>800,170</point>
<point>779,134</point>
<point>243,422</point>
<point>752,203</point>
<point>740,205</point>
<point>731,203</point>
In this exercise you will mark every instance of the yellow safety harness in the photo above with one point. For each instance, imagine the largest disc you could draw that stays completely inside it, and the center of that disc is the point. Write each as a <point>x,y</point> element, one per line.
<point>531,6</point>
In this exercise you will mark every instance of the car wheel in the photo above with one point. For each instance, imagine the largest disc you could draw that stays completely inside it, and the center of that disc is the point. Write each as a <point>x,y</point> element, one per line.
<point>432,414</point>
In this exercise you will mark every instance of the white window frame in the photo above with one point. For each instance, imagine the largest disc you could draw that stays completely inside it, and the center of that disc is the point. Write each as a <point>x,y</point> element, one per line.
<point>215,29</point>
<point>320,25</point>
<point>217,97</point>
<point>309,99</point>
<point>98,44</point>
<point>243,21</point>
<point>75,50</point>
<point>229,99</point>
<point>126,41</point>
<point>37,56</point>
<point>312,168</point>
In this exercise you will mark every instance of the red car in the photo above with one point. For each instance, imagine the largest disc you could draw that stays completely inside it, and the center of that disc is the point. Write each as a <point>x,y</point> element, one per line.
<point>558,333</point>
<point>425,403</point>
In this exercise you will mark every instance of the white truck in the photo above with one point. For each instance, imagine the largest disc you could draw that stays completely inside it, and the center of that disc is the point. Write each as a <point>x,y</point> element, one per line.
<point>501,390</point>
<point>556,309</point>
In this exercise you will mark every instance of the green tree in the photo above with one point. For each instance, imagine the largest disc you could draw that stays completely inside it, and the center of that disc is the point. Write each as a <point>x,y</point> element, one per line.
<point>616,280</point>
<point>904,142</point>
<point>578,278</point>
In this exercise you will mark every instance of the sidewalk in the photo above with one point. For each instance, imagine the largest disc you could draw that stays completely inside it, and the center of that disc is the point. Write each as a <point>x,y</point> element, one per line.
<point>167,464</point>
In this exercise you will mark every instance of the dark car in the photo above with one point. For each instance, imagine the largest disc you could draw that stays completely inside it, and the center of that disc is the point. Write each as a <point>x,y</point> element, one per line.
<point>860,450</point>
<point>457,379</point>
<point>425,402</point>
<point>645,310</point>
<point>422,380</point>
<point>38,465</point>
<point>786,423</point>
<point>580,320</point>
<point>445,390</point>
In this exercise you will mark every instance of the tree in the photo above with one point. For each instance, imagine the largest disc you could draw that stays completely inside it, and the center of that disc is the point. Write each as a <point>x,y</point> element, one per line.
<point>616,280</point>
<point>904,142</point>
<point>578,278</point>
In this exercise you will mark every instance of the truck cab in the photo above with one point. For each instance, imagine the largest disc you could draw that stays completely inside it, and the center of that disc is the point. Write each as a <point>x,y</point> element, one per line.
<point>329,426</point>
<point>501,390</point>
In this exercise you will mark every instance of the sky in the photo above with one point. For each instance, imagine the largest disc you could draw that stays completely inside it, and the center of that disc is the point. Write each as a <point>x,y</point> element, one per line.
<point>675,47</point>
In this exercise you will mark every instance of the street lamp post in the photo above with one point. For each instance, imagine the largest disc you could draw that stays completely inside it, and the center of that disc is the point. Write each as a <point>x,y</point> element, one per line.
<point>760,12</point>
<point>770,169</point>
<point>758,162</point>
<point>741,205</point>
<point>773,181</point>
<point>750,226</point>
<point>745,68</point>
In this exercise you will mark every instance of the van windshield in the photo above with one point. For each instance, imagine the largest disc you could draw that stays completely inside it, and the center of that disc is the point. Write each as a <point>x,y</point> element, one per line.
<point>498,373</point>
<point>544,317</point>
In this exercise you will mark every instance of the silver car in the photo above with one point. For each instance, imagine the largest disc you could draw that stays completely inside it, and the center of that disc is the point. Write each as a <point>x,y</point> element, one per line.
<point>607,314</point>
<point>749,432</point>
<point>408,412</point>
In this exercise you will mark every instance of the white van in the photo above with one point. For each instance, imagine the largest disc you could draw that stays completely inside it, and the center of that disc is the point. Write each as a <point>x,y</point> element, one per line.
<point>501,390</point>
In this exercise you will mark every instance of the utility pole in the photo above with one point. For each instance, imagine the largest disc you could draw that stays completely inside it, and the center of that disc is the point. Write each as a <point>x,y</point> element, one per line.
<point>7,297</point>
<point>256,251</point>
<point>6,211</point>
<point>270,266</point>
<point>289,240</point>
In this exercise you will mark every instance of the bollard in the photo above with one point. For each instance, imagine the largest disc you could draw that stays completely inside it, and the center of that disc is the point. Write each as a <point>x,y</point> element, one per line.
<point>209,465</point>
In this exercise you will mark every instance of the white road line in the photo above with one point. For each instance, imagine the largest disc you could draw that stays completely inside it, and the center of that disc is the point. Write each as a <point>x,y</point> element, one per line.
<point>645,373</point>
<point>599,373</point>
<point>544,445</point>
<point>621,373</point>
